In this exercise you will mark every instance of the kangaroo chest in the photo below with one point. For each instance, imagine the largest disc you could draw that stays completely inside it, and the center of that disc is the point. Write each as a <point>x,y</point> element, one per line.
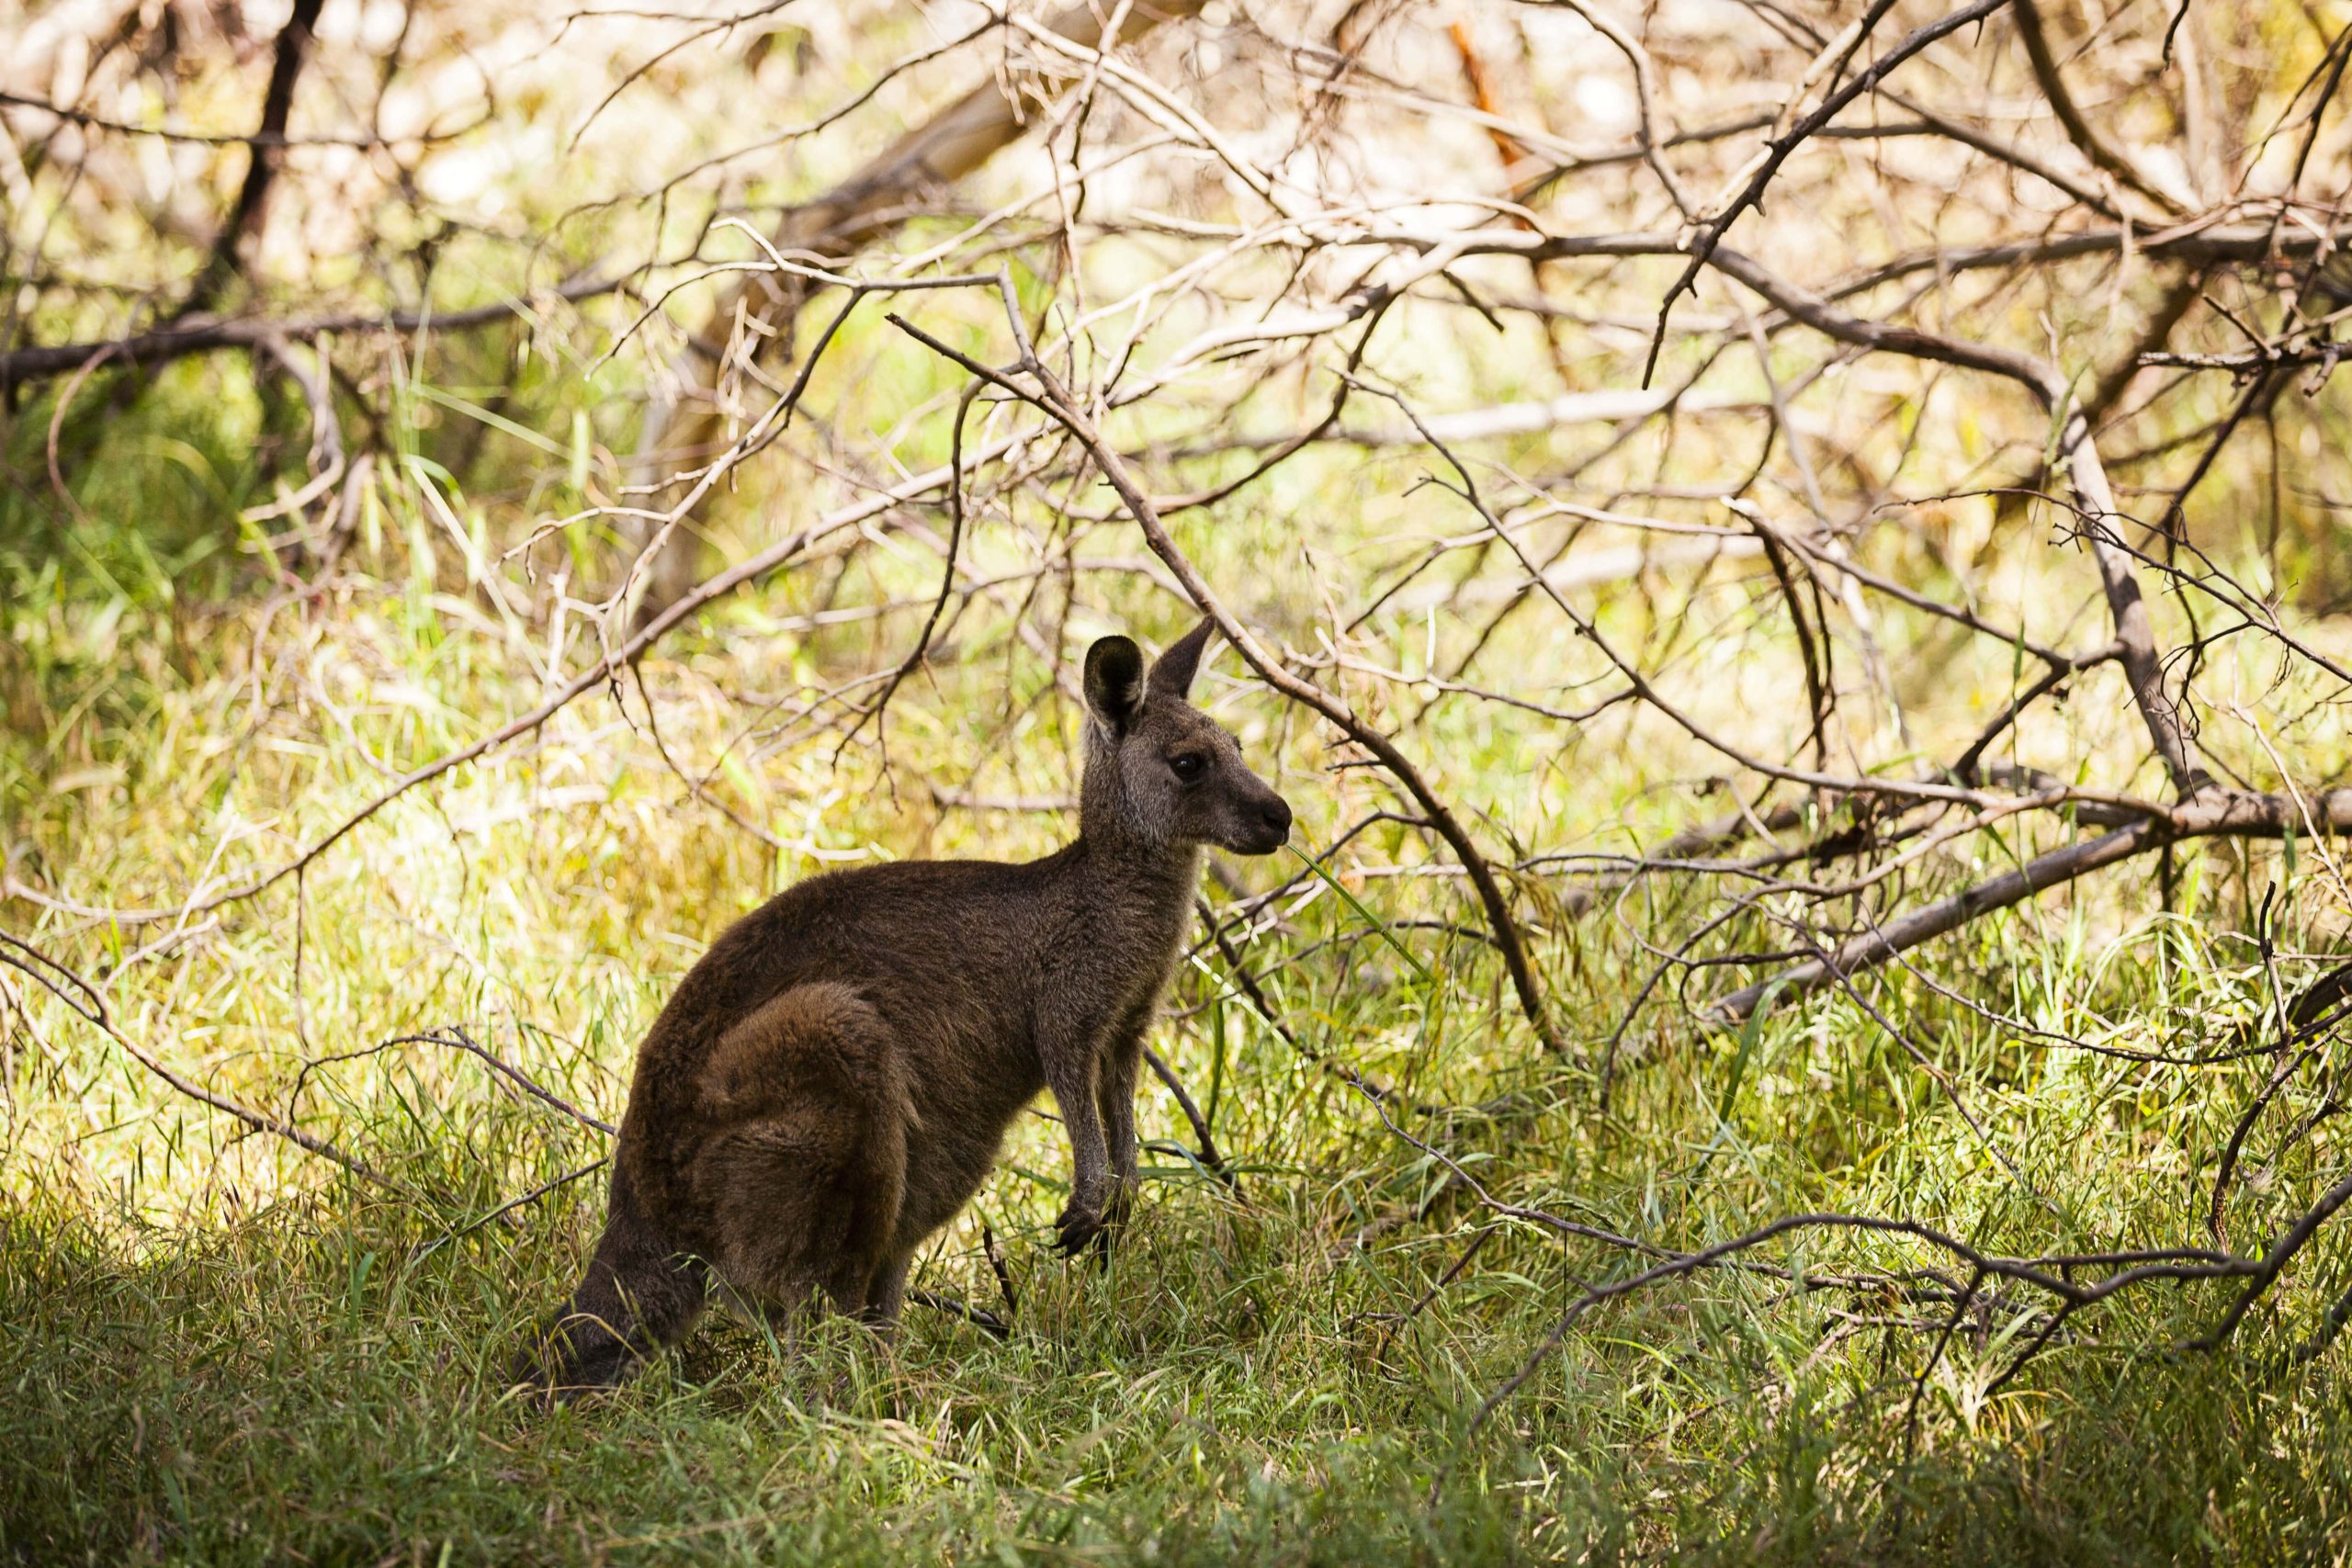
<point>1118,953</point>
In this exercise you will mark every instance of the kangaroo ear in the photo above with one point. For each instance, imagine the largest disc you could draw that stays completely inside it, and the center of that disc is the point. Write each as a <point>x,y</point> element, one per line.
<point>1172,675</point>
<point>1115,683</point>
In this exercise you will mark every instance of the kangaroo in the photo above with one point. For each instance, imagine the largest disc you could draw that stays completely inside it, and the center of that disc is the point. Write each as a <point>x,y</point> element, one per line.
<point>829,1084</point>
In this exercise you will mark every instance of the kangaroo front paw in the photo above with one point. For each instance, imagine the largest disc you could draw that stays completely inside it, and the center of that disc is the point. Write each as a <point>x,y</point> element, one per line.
<point>1077,1227</point>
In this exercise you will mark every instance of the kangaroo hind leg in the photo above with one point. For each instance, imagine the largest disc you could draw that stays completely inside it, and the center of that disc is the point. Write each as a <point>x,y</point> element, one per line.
<point>805,1171</point>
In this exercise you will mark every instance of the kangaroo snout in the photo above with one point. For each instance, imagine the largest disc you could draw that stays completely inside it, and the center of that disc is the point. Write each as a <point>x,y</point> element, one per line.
<point>1269,830</point>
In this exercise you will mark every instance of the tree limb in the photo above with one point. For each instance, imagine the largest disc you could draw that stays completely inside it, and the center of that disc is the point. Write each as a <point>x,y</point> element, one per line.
<point>2215,813</point>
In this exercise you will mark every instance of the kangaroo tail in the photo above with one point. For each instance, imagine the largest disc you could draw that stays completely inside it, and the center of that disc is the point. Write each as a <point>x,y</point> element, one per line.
<point>637,1297</point>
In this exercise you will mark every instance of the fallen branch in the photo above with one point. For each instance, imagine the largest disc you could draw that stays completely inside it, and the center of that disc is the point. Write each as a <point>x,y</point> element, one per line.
<point>2053,1274</point>
<point>1211,1160</point>
<point>956,1306</point>
<point>534,1195</point>
<point>455,1038</point>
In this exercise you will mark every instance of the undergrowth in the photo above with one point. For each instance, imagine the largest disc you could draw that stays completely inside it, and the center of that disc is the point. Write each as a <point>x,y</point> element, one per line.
<point>216,1349</point>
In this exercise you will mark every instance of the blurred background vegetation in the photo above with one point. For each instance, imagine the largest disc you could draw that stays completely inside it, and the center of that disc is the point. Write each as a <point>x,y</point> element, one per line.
<point>473,527</point>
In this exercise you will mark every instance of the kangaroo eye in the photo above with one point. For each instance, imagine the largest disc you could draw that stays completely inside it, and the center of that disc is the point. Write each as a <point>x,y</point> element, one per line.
<point>1187,767</point>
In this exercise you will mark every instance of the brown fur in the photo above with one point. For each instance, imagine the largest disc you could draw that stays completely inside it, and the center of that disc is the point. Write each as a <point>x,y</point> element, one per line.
<point>829,1084</point>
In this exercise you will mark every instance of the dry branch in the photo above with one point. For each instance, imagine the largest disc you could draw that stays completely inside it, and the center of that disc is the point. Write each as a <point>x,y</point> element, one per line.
<point>85,1002</point>
<point>2079,130</point>
<point>146,350</point>
<point>588,679</point>
<point>2212,814</point>
<point>266,149</point>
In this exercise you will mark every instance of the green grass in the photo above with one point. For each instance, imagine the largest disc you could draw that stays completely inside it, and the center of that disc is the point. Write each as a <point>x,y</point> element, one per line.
<point>215,1348</point>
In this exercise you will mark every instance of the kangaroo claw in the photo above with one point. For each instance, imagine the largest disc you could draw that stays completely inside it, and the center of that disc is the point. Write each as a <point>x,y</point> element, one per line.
<point>1076,1229</point>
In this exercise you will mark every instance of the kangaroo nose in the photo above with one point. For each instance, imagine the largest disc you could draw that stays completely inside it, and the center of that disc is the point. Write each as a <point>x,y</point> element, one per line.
<point>1277,815</point>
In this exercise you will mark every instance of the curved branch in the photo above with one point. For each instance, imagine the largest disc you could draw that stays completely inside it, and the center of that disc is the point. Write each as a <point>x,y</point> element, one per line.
<point>83,999</point>
<point>1054,399</point>
<point>2079,130</point>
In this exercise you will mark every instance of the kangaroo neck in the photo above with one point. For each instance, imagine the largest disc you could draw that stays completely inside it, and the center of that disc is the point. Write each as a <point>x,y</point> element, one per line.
<point>1117,858</point>
<point>1126,864</point>
<point>1133,870</point>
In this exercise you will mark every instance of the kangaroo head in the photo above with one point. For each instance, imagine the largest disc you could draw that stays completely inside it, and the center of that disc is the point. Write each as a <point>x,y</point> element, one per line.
<point>1160,770</point>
